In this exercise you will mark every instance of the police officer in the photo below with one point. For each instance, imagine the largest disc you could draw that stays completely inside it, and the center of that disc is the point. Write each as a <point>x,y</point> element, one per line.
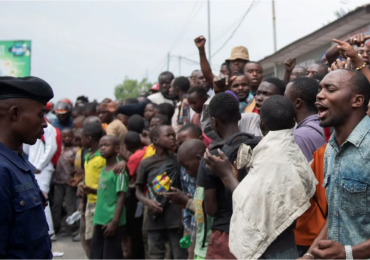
<point>23,226</point>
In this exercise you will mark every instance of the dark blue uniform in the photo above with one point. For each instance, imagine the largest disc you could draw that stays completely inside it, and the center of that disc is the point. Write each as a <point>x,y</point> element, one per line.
<point>23,226</point>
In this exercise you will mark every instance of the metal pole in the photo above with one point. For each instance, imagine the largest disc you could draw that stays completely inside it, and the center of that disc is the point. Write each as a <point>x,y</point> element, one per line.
<point>209,31</point>
<point>168,61</point>
<point>180,65</point>
<point>274,31</point>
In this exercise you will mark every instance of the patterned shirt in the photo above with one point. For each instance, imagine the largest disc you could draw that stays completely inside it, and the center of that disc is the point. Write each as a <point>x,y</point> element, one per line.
<point>188,187</point>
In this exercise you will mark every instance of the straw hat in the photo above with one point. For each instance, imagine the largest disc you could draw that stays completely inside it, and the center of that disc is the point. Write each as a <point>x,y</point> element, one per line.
<point>239,52</point>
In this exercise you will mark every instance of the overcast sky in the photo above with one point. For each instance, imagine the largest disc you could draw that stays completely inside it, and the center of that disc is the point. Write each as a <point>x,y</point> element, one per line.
<point>87,48</point>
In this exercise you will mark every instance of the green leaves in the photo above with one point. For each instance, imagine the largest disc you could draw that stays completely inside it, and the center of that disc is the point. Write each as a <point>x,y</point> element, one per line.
<point>131,88</point>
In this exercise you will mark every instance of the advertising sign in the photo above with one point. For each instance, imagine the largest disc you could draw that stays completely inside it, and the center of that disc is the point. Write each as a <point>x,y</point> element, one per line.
<point>15,58</point>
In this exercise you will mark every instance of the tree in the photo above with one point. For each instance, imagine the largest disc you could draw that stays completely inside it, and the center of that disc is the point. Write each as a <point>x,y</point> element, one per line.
<point>131,88</point>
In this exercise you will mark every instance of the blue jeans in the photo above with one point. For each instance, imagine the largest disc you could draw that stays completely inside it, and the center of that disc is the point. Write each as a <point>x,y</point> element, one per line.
<point>291,253</point>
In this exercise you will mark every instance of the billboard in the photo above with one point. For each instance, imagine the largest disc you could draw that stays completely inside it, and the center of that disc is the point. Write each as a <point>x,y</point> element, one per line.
<point>15,58</point>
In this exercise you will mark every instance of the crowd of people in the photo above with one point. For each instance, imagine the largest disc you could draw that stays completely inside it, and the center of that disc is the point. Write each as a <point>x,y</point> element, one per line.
<point>208,166</point>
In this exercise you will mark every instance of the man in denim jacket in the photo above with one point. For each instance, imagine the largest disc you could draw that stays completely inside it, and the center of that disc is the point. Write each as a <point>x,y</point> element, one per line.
<point>342,103</point>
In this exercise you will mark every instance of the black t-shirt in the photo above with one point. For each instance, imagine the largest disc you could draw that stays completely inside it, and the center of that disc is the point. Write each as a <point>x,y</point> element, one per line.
<point>171,216</point>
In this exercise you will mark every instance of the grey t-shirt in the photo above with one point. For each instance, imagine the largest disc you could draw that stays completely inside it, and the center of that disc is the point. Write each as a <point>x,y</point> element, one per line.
<point>171,216</point>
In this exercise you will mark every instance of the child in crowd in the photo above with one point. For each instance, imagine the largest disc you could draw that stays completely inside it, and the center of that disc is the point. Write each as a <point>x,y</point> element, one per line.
<point>225,115</point>
<point>151,110</point>
<point>189,156</point>
<point>94,162</point>
<point>157,172</point>
<point>78,121</point>
<point>167,110</point>
<point>134,213</point>
<point>64,194</point>
<point>156,121</point>
<point>110,213</point>
<point>137,124</point>
<point>197,96</point>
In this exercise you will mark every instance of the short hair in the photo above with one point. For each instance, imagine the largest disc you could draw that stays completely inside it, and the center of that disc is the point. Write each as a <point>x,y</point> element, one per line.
<point>319,76</point>
<point>156,131</point>
<point>84,99</point>
<point>225,64</point>
<point>277,112</point>
<point>194,128</point>
<point>238,74</point>
<point>360,85</point>
<point>66,129</point>
<point>167,73</point>
<point>136,123</point>
<point>166,109</point>
<point>225,108</point>
<point>278,83</point>
<point>156,106</point>
<point>182,83</point>
<point>200,91</point>
<point>131,101</point>
<point>90,120</point>
<point>91,106</point>
<point>132,139</point>
<point>192,147</point>
<point>255,62</point>
<point>306,89</point>
<point>94,130</point>
<point>165,120</point>
<point>79,109</point>
<point>323,65</point>
<point>113,138</point>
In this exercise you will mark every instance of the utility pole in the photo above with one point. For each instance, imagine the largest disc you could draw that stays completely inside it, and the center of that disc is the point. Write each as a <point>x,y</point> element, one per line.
<point>180,65</point>
<point>168,61</point>
<point>274,30</point>
<point>209,31</point>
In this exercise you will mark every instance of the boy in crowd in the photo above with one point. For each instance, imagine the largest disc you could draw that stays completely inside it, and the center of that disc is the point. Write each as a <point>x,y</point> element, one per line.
<point>164,218</point>
<point>156,121</point>
<point>151,110</point>
<point>94,162</point>
<point>136,124</point>
<point>197,96</point>
<point>78,122</point>
<point>110,213</point>
<point>64,194</point>
<point>275,192</point>
<point>189,155</point>
<point>134,207</point>
<point>225,115</point>
<point>167,110</point>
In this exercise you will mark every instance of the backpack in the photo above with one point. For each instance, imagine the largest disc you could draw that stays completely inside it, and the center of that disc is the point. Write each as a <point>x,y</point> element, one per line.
<point>231,147</point>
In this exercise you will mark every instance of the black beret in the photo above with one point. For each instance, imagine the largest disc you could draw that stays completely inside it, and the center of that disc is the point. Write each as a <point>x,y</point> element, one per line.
<point>28,87</point>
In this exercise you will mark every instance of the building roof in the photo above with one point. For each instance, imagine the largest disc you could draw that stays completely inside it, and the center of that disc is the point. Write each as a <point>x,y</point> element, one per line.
<point>342,26</point>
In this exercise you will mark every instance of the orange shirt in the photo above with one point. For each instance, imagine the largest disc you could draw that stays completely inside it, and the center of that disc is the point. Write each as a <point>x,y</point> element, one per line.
<point>311,222</point>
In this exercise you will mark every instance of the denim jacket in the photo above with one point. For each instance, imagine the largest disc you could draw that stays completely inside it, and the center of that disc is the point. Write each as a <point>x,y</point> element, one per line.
<point>347,186</point>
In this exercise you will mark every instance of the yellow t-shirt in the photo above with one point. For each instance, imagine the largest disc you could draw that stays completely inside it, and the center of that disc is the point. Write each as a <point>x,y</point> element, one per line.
<point>150,151</point>
<point>93,165</point>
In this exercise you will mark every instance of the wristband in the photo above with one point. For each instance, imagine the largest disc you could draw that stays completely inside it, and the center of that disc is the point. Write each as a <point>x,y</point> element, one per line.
<point>310,255</point>
<point>361,67</point>
<point>348,252</point>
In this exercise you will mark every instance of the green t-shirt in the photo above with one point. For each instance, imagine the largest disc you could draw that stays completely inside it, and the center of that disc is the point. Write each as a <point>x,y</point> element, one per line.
<point>201,243</point>
<point>108,188</point>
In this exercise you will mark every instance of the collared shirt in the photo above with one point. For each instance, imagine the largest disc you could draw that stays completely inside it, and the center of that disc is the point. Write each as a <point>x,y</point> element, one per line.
<point>309,136</point>
<point>93,166</point>
<point>188,185</point>
<point>23,226</point>
<point>347,183</point>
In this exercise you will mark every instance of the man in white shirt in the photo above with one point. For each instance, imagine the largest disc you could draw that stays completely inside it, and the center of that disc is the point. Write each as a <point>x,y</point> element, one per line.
<point>163,96</point>
<point>40,155</point>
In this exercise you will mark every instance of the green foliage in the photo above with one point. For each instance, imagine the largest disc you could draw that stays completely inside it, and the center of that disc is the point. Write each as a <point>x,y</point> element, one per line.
<point>131,88</point>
